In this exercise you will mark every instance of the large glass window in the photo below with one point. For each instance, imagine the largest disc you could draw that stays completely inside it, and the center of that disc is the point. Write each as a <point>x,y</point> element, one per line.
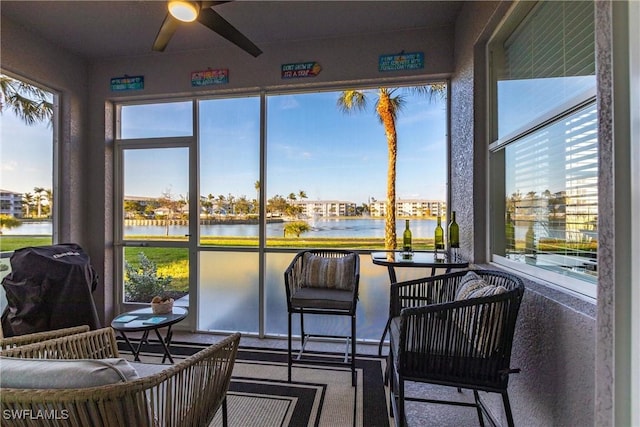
<point>323,174</point>
<point>545,138</point>
<point>327,169</point>
<point>156,120</point>
<point>27,169</point>
<point>154,232</point>
<point>229,170</point>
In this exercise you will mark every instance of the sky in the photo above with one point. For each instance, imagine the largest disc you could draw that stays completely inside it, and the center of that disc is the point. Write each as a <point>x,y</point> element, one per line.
<point>26,155</point>
<point>311,146</point>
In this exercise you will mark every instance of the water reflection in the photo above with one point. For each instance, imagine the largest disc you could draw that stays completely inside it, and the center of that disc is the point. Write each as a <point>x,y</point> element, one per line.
<point>229,299</point>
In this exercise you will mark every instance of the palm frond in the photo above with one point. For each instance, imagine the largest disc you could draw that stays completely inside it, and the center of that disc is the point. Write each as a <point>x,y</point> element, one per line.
<point>351,100</point>
<point>431,91</point>
<point>31,104</point>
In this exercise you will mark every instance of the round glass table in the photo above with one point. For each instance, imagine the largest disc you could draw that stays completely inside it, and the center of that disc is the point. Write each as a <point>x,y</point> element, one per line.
<point>144,320</point>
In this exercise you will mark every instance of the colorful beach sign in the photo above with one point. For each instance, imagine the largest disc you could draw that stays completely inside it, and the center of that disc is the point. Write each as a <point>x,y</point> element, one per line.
<point>127,83</point>
<point>209,77</point>
<point>300,69</point>
<point>401,61</point>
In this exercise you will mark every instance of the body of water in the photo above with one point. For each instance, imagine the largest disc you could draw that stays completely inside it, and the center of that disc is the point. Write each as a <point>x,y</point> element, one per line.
<point>321,227</point>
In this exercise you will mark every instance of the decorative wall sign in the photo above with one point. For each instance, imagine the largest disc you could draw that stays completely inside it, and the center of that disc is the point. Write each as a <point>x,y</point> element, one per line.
<point>127,83</point>
<point>209,77</point>
<point>301,69</point>
<point>401,61</point>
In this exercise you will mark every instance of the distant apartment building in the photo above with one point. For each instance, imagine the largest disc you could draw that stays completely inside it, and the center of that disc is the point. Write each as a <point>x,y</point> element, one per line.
<point>11,203</point>
<point>410,207</point>
<point>326,208</point>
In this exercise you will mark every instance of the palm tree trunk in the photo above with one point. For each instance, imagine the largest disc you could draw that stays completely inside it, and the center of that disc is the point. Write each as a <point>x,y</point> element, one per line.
<point>385,112</point>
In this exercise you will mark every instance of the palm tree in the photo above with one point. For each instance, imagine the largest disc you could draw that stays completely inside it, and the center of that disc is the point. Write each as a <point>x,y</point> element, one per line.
<point>231,200</point>
<point>29,103</point>
<point>39,198</point>
<point>27,202</point>
<point>221,203</point>
<point>388,104</point>
<point>48,196</point>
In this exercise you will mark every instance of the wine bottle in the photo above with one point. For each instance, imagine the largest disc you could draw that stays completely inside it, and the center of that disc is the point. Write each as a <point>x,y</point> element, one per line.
<point>406,238</point>
<point>509,234</point>
<point>454,232</point>
<point>439,235</point>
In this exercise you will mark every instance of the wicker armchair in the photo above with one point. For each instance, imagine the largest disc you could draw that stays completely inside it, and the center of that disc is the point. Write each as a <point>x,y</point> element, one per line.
<point>20,340</point>
<point>323,281</point>
<point>444,332</point>
<point>187,394</point>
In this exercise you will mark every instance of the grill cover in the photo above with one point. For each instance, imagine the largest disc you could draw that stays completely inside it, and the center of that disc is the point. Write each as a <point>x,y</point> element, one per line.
<point>49,287</point>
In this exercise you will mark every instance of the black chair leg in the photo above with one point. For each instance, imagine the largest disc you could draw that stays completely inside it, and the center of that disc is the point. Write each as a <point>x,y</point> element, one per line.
<point>478,407</point>
<point>225,421</point>
<point>389,381</point>
<point>354,377</point>
<point>507,408</point>
<point>289,361</point>
<point>400,416</point>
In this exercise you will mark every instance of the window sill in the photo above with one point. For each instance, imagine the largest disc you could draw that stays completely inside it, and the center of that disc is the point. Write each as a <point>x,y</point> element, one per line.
<point>573,300</point>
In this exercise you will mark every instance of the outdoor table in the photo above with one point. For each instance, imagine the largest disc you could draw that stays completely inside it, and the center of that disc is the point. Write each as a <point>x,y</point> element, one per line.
<point>144,320</point>
<point>417,259</point>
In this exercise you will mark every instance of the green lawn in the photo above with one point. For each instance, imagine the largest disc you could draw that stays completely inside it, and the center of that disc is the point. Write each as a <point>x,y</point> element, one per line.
<point>11,243</point>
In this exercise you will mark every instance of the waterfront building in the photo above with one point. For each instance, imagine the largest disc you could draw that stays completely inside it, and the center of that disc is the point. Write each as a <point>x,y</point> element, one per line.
<point>326,208</point>
<point>11,203</point>
<point>410,207</point>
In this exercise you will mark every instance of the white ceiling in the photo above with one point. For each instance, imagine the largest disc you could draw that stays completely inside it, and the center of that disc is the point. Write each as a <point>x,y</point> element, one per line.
<point>106,29</point>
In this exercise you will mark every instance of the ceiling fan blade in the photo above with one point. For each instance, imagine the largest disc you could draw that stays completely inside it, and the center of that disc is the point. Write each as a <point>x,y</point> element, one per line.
<point>168,27</point>
<point>217,23</point>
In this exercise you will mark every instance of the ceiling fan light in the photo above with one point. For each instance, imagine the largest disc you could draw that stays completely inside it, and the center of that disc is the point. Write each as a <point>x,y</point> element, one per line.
<point>186,11</point>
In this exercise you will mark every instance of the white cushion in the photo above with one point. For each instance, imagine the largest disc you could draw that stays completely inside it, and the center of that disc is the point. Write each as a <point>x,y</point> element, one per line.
<point>63,373</point>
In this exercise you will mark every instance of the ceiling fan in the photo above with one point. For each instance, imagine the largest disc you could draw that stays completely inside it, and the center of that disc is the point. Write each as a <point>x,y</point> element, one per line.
<point>188,11</point>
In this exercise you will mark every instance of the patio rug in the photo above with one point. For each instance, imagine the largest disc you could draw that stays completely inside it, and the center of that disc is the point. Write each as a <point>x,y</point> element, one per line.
<point>319,395</point>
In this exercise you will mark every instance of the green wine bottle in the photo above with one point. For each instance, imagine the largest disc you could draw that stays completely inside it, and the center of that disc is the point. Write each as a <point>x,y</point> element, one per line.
<point>406,238</point>
<point>439,235</point>
<point>454,232</point>
<point>509,234</point>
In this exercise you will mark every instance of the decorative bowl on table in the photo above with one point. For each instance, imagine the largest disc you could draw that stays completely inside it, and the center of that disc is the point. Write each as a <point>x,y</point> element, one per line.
<point>162,306</point>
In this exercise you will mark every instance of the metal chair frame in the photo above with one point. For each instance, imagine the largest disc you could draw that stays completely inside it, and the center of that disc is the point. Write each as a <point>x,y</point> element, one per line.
<point>293,281</point>
<point>460,343</point>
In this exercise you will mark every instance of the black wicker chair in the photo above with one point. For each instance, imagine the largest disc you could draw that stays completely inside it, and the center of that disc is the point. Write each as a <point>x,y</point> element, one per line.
<point>445,332</point>
<point>323,282</point>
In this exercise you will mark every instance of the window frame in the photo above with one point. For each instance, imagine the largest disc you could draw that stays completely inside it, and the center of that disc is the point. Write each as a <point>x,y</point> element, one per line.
<point>496,159</point>
<point>263,249</point>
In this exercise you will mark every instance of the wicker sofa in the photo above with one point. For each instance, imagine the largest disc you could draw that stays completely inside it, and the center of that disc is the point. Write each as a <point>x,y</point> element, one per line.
<point>20,340</point>
<point>188,393</point>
